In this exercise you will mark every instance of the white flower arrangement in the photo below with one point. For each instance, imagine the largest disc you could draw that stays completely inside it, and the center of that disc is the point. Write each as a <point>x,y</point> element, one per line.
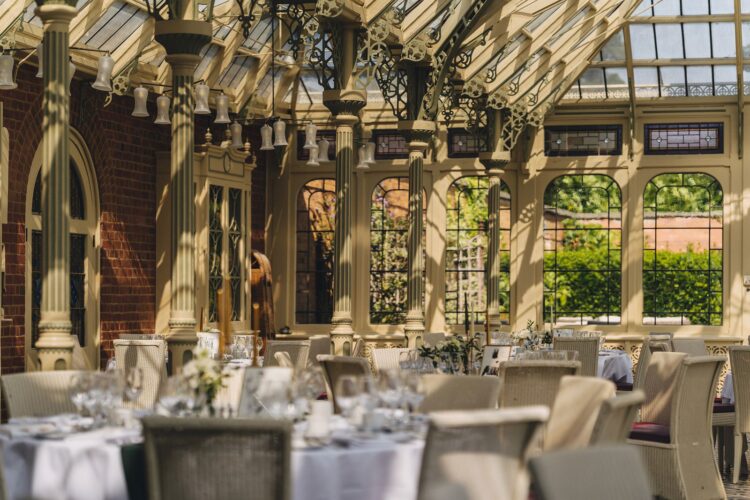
<point>205,376</point>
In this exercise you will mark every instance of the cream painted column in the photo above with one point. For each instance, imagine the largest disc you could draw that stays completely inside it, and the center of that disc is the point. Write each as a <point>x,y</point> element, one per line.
<point>494,163</point>
<point>183,41</point>
<point>345,106</point>
<point>417,134</point>
<point>55,342</point>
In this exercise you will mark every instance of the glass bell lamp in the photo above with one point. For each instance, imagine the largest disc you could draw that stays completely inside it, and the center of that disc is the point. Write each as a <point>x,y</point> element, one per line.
<point>311,133</point>
<point>236,129</point>
<point>222,110</point>
<point>313,161</point>
<point>6,73</point>
<point>162,110</point>
<point>323,146</point>
<point>370,156</point>
<point>71,72</point>
<point>140,98</point>
<point>266,137</point>
<point>279,133</point>
<point>201,99</point>
<point>40,57</point>
<point>362,153</point>
<point>104,69</point>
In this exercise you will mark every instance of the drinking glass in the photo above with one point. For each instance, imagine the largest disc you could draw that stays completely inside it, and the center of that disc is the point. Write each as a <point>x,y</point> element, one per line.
<point>274,397</point>
<point>177,397</point>
<point>348,390</point>
<point>390,388</point>
<point>133,383</point>
<point>404,360</point>
<point>80,389</point>
<point>414,391</point>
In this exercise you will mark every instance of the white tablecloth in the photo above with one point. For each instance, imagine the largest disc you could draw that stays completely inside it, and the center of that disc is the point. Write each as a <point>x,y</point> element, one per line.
<point>615,366</point>
<point>727,392</point>
<point>88,466</point>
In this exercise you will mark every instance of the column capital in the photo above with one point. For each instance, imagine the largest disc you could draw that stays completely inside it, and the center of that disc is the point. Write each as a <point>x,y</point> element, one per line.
<point>495,162</point>
<point>417,133</point>
<point>56,13</point>
<point>345,104</point>
<point>182,36</point>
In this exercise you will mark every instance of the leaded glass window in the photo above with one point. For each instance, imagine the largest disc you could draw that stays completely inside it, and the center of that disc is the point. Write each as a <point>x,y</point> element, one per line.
<point>316,213</point>
<point>466,233</point>
<point>235,236</point>
<point>684,138</point>
<point>683,250</point>
<point>389,229</point>
<point>77,203</point>
<point>464,144</point>
<point>582,250</point>
<point>389,145</point>
<point>215,249</point>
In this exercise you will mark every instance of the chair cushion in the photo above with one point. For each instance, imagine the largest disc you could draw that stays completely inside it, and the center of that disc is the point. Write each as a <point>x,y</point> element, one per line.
<point>647,431</point>
<point>723,407</point>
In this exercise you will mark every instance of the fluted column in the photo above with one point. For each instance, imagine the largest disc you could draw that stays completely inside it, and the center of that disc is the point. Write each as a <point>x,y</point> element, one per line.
<point>417,134</point>
<point>183,41</point>
<point>345,106</point>
<point>55,342</point>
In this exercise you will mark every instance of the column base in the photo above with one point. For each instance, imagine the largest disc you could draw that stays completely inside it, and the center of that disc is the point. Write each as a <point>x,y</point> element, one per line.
<point>181,341</point>
<point>342,343</point>
<point>55,351</point>
<point>414,334</point>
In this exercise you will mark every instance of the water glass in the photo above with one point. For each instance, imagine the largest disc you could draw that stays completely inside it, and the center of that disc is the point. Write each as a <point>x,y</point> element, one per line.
<point>348,391</point>
<point>80,389</point>
<point>177,397</point>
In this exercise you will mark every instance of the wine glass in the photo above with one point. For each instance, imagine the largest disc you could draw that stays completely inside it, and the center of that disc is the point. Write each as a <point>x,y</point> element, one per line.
<point>274,396</point>
<point>133,384</point>
<point>414,391</point>
<point>390,388</point>
<point>80,389</point>
<point>404,360</point>
<point>348,390</point>
<point>177,397</point>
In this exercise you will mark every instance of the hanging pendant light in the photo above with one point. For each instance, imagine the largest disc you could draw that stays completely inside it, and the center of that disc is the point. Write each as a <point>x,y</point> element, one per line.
<point>222,109</point>
<point>279,133</point>
<point>162,110</point>
<point>362,165</point>
<point>313,161</point>
<point>311,132</point>
<point>266,134</point>
<point>201,99</point>
<point>40,56</point>
<point>71,73</point>
<point>370,156</point>
<point>323,146</point>
<point>104,73</point>
<point>140,99</point>
<point>236,130</point>
<point>6,73</point>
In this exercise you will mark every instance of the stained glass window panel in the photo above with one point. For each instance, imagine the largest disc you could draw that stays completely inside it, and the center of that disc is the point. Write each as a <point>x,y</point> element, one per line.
<point>215,249</point>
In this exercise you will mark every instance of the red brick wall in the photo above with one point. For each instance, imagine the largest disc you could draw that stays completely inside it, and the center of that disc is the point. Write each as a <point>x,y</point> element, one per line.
<point>123,151</point>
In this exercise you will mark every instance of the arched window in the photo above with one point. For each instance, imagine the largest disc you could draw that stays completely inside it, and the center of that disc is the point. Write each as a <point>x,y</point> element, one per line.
<point>682,250</point>
<point>316,213</point>
<point>582,250</point>
<point>466,232</point>
<point>389,229</point>
<point>84,220</point>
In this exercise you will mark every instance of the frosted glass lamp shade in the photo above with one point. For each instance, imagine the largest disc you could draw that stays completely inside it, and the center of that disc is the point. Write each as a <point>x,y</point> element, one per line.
<point>104,74</point>
<point>266,137</point>
<point>201,99</point>
<point>236,130</point>
<point>222,110</point>
<point>140,99</point>
<point>313,161</point>
<point>6,73</point>
<point>40,57</point>
<point>370,156</point>
<point>279,133</point>
<point>311,133</point>
<point>323,146</point>
<point>162,110</point>
<point>362,153</point>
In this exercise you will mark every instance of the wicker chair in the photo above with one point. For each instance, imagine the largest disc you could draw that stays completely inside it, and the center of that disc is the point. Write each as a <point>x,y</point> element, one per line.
<point>299,351</point>
<point>691,347</point>
<point>587,349</point>
<point>675,435</point>
<point>149,356</point>
<point>611,472</point>
<point>739,359</point>
<point>650,345</point>
<point>433,339</point>
<point>616,417</point>
<point>38,394</point>
<point>387,359</point>
<point>319,345</point>
<point>213,459</point>
<point>478,455</point>
<point>283,359</point>
<point>335,367</point>
<point>448,392</point>
<point>574,412</point>
<point>532,382</point>
<point>359,348</point>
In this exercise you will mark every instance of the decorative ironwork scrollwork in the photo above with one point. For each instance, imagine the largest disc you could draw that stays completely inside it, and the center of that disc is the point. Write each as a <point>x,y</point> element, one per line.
<point>301,24</point>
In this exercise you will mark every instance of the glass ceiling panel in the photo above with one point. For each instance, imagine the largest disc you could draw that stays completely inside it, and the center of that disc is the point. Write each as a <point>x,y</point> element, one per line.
<point>697,40</point>
<point>264,87</point>
<point>723,40</point>
<point>745,6</point>
<point>535,23</point>
<point>642,41</point>
<point>111,30</point>
<point>746,78</point>
<point>614,49</point>
<point>223,31</point>
<point>259,35</point>
<point>233,75</point>
<point>207,54</point>
<point>688,7</point>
